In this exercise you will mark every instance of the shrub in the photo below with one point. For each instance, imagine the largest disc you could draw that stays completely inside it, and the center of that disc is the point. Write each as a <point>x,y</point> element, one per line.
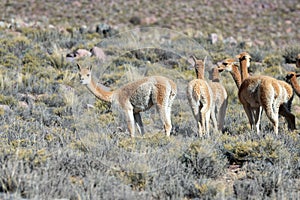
<point>272,60</point>
<point>203,158</point>
<point>8,100</point>
<point>240,150</point>
<point>290,53</point>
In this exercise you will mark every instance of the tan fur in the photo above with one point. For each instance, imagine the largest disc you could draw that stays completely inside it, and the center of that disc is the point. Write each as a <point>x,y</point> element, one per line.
<point>220,100</point>
<point>199,66</point>
<point>215,76</point>
<point>200,99</point>
<point>291,77</point>
<point>263,92</point>
<point>244,59</point>
<point>136,97</point>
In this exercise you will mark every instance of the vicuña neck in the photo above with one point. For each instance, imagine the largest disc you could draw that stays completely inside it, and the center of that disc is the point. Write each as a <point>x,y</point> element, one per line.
<point>200,73</point>
<point>236,75</point>
<point>244,69</point>
<point>215,75</point>
<point>100,92</point>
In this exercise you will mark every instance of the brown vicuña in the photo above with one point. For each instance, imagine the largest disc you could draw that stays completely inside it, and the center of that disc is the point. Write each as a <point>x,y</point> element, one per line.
<point>284,109</point>
<point>200,98</point>
<point>220,99</point>
<point>136,97</point>
<point>291,77</point>
<point>264,92</point>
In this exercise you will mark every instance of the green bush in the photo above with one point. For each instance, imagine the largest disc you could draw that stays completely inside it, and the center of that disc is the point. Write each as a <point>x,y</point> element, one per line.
<point>204,159</point>
<point>290,53</point>
<point>272,60</point>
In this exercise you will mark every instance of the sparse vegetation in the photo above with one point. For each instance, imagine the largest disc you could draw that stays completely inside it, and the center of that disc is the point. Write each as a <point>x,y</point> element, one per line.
<point>57,141</point>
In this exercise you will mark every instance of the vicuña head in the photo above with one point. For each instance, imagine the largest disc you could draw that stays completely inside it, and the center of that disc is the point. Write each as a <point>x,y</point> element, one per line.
<point>231,66</point>
<point>199,66</point>
<point>136,97</point>
<point>85,75</point>
<point>291,78</point>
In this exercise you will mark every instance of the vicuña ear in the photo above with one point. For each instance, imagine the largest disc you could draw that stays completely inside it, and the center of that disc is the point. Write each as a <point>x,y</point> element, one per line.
<point>194,58</point>
<point>204,61</point>
<point>289,76</point>
<point>79,67</point>
<point>90,68</point>
<point>192,61</point>
<point>238,56</point>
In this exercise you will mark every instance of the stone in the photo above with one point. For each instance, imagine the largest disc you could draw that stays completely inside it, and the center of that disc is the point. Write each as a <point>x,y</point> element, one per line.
<point>98,53</point>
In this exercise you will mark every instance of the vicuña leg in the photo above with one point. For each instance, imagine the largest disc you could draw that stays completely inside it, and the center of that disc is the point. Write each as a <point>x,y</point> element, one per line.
<point>249,115</point>
<point>130,122</point>
<point>139,123</point>
<point>165,118</point>
<point>257,117</point>
<point>290,118</point>
<point>197,116</point>
<point>207,117</point>
<point>270,105</point>
<point>213,118</point>
<point>222,114</point>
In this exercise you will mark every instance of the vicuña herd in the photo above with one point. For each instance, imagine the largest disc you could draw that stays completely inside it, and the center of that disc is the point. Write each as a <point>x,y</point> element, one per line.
<point>207,99</point>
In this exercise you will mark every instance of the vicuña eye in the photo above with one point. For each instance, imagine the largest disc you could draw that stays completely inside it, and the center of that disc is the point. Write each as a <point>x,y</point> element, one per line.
<point>88,75</point>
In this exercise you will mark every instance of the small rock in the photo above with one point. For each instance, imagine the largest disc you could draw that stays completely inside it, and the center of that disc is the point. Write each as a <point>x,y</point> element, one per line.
<point>79,53</point>
<point>3,24</point>
<point>90,106</point>
<point>104,29</point>
<point>135,20</point>
<point>98,53</point>
<point>213,38</point>
<point>230,40</point>
<point>83,29</point>
<point>23,104</point>
<point>5,107</point>
<point>149,20</point>
<point>296,109</point>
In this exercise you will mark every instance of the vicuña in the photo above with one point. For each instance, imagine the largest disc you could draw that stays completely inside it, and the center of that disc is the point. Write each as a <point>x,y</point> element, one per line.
<point>200,98</point>
<point>136,97</point>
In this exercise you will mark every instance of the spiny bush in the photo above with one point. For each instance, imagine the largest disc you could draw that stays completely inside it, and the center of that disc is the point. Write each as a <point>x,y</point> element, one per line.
<point>34,61</point>
<point>16,45</point>
<point>265,180</point>
<point>290,53</point>
<point>102,106</point>
<point>8,100</point>
<point>204,159</point>
<point>272,60</point>
<point>239,149</point>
